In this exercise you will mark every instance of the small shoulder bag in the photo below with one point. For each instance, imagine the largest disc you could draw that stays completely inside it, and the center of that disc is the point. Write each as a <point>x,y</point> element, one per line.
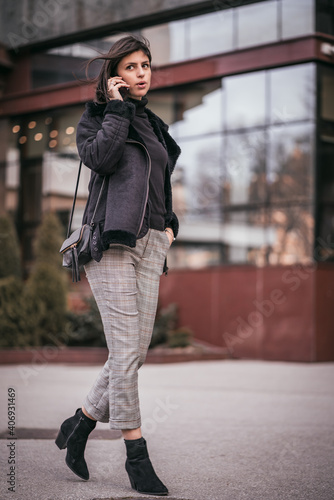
<point>76,248</point>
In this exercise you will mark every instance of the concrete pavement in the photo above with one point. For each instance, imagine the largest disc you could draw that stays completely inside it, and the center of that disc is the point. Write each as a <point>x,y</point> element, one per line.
<point>216,430</point>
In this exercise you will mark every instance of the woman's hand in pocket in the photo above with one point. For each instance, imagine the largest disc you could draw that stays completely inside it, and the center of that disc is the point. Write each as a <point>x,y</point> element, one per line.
<point>170,235</point>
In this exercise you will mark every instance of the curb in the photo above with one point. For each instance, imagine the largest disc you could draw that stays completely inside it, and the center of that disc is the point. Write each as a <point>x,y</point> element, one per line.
<point>99,355</point>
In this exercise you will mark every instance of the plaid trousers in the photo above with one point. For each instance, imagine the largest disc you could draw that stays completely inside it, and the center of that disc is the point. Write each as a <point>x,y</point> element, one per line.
<point>125,284</point>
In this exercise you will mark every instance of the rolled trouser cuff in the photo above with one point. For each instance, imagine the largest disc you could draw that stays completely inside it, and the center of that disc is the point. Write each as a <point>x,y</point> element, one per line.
<point>121,424</point>
<point>95,412</point>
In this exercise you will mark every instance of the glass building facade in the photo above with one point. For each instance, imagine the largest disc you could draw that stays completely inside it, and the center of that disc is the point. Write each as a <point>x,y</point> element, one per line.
<point>204,35</point>
<point>254,184</point>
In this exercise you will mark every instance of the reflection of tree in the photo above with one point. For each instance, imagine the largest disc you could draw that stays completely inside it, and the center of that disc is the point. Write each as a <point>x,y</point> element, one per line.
<point>179,194</point>
<point>205,185</point>
<point>292,179</point>
<point>245,180</point>
<point>258,183</point>
<point>292,182</point>
<point>294,235</point>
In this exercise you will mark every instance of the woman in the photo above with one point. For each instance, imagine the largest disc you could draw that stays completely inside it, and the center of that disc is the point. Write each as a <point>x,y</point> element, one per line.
<point>121,140</point>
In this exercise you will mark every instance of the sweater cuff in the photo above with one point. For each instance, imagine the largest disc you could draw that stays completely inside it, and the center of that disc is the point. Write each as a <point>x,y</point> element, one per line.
<point>120,108</point>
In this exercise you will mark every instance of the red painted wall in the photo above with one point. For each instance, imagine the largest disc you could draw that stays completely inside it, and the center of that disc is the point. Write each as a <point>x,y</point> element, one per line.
<point>273,313</point>
<point>324,307</point>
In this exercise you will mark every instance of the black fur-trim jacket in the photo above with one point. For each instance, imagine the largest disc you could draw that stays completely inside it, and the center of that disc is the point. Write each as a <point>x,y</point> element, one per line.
<point>110,146</point>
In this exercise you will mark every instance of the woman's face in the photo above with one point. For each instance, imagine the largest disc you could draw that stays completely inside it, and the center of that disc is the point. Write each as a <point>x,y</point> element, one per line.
<point>135,69</point>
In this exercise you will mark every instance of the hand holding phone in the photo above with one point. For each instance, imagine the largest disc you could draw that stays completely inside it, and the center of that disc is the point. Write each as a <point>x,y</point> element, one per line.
<point>117,88</point>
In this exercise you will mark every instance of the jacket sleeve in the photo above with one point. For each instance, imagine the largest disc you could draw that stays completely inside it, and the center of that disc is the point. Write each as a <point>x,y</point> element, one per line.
<point>101,144</point>
<point>173,222</point>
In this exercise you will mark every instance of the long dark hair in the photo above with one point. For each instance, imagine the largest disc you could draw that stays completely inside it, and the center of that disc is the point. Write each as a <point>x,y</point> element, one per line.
<point>123,47</point>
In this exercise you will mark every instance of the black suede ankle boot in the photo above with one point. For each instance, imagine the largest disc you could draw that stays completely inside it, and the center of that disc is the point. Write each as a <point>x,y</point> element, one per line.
<point>73,435</point>
<point>140,469</point>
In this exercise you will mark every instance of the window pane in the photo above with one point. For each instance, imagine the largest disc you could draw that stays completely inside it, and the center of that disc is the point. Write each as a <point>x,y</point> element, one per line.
<point>292,93</point>
<point>245,178</point>
<point>325,16</point>
<point>211,33</point>
<point>257,23</point>
<point>198,110</point>
<point>10,162</point>
<point>290,161</point>
<point>327,93</point>
<point>326,198</point>
<point>297,17</point>
<point>293,235</point>
<point>326,164</point>
<point>162,102</point>
<point>193,256</point>
<point>41,171</point>
<point>325,242</point>
<point>168,42</point>
<point>65,64</point>
<point>245,237</point>
<point>199,180</point>
<point>245,100</point>
<point>61,163</point>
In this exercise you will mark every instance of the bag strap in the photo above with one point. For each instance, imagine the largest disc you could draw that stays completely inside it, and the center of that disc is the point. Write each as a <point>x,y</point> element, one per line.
<point>75,199</point>
<point>98,201</point>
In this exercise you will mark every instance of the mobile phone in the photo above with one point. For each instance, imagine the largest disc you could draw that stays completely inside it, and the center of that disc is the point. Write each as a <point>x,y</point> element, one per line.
<point>123,91</point>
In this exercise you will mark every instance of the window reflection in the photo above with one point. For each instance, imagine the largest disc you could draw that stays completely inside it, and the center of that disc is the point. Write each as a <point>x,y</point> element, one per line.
<point>211,33</point>
<point>203,35</point>
<point>228,198</point>
<point>198,110</point>
<point>325,17</point>
<point>162,102</point>
<point>326,177</point>
<point>168,42</point>
<point>245,171</point>
<point>160,40</point>
<point>290,153</point>
<point>245,237</point>
<point>63,64</point>
<point>9,165</point>
<point>297,17</point>
<point>293,227</point>
<point>292,93</point>
<point>257,23</point>
<point>327,92</point>
<point>200,178</point>
<point>194,256</point>
<point>325,242</point>
<point>245,100</point>
<point>40,175</point>
<point>68,63</point>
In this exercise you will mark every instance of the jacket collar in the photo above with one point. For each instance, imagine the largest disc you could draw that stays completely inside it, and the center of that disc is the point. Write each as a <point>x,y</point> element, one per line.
<point>159,127</point>
<point>95,109</point>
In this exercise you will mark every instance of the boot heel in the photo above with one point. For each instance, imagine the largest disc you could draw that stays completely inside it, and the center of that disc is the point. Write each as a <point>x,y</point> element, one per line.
<point>133,484</point>
<point>61,440</point>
